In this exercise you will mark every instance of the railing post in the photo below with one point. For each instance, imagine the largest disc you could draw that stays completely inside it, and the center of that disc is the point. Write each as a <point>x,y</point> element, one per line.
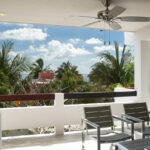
<point>59,111</point>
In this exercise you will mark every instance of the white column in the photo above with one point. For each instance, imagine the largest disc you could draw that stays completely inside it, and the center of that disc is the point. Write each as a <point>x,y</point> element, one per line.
<point>142,68</point>
<point>132,38</point>
<point>145,71</point>
<point>59,111</point>
<point>137,67</point>
<point>142,64</point>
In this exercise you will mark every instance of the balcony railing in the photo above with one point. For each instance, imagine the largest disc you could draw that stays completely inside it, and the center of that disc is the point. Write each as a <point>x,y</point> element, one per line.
<point>28,97</point>
<point>57,115</point>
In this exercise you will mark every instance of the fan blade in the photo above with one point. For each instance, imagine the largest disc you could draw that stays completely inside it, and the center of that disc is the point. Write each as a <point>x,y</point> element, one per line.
<point>114,25</point>
<point>117,10</point>
<point>90,24</point>
<point>88,17</point>
<point>134,19</point>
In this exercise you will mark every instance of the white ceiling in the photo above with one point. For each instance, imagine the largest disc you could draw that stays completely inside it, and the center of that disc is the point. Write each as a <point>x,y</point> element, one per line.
<point>66,12</point>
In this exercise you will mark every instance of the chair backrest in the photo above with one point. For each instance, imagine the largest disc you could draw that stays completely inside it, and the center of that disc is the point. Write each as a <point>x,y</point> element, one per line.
<point>138,110</point>
<point>100,115</point>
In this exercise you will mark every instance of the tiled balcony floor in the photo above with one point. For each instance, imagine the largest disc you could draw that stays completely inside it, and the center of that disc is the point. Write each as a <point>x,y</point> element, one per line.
<point>70,141</point>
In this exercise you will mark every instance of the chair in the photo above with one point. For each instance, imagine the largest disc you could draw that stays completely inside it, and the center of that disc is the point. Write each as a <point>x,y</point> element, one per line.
<point>138,113</point>
<point>101,117</point>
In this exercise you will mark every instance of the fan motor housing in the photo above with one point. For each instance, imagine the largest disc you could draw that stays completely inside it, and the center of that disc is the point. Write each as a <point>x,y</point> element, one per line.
<point>104,15</point>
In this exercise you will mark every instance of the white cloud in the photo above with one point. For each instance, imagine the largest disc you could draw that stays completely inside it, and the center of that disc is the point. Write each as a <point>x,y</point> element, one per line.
<point>93,41</point>
<point>94,60</point>
<point>61,50</point>
<point>41,49</point>
<point>24,34</point>
<point>13,53</point>
<point>17,24</point>
<point>99,49</point>
<point>56,50</point>
<point>25,25</point>
<point>74,41</point>
<point>84,69</point>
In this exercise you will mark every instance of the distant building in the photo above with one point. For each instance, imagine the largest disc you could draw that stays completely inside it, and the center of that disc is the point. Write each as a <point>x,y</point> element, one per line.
<point>46,76</point>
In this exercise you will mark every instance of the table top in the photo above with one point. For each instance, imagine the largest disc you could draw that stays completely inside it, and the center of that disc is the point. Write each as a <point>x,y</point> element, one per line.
<point>140,144</point>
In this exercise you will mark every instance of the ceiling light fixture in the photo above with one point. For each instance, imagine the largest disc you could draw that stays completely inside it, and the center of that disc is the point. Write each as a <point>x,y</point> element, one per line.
<point>2,14</point>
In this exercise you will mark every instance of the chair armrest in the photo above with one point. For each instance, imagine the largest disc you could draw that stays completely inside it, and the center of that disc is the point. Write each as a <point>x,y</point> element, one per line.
<point>122,119</point>
<point>133,118</point>
<point>90,123</point>
<point>127,121</point>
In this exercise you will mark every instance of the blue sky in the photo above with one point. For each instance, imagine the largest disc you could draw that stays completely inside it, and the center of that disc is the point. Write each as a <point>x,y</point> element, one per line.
<point>59,44</point>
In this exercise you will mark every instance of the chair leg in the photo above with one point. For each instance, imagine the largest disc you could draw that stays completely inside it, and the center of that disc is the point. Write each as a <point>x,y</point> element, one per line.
<point>98,146</point>
<point>127,125</point>
<point>116,147</point>
<point>83,137</point>
<point>98,139</point>
<point>83,140</point>
<point>143,129</point>
<point>111,147</point>
<point>143,136</point>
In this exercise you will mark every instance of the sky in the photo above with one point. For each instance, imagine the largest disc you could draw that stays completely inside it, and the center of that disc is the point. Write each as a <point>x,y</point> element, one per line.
<point>55,44</point>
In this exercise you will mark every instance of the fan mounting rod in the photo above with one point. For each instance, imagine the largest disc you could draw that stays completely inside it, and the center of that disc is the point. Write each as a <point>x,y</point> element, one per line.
<point>106,3</point>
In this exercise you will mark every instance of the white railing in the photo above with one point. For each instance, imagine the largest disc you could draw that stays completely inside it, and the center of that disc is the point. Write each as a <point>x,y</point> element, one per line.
<point>44,116</point>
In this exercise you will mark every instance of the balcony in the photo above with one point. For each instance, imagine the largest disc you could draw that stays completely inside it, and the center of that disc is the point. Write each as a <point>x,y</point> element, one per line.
<point>57,116</point>
<point>59,13</point>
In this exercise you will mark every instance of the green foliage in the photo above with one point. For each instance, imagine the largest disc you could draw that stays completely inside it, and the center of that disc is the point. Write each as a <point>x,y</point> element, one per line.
<point>129,74</point>
<point>17,65</point>
<point>113,69</point>
<point>37,67</point>
<point>4,83</point>
<point>7,47</point>
<point>11,67</point>
<point>69,77</point>
<point>65,66</point>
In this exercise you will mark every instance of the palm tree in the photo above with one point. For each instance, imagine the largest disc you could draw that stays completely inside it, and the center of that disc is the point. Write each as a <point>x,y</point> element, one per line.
<point>69,77</point>
<point>11,67</point>
<point>4,83</point>
<point>65,66</point>
<point>37,67</point>
<point>113,69</point>
<point>17,66</point>
<point>7,47</point>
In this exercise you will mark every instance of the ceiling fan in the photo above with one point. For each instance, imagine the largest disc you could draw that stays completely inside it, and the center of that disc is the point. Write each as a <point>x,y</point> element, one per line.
<point>110,16</point>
